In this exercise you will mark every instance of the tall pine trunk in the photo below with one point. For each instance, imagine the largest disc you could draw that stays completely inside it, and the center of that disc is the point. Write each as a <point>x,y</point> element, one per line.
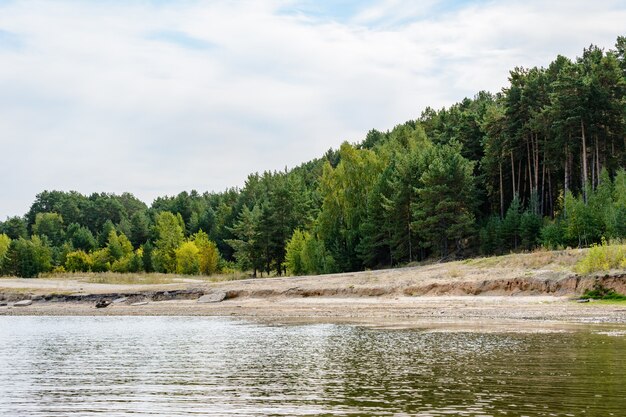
<point>501,193</point>
<point>566,176</point>
<point>584,161</point>
<point>513,173</point>
<point>530,157</point>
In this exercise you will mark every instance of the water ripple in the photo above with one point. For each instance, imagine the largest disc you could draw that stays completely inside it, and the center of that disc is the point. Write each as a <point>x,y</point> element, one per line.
<point>186,366</point>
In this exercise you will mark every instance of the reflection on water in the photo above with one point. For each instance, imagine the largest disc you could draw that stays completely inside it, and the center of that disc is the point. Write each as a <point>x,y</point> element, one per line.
<point>180,366</point>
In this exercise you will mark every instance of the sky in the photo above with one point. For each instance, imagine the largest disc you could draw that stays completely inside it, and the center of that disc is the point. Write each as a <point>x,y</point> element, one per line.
<point>155,97</point>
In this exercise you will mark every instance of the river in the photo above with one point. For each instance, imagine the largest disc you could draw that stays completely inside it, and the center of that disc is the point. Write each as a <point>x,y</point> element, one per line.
<point>199,366</point>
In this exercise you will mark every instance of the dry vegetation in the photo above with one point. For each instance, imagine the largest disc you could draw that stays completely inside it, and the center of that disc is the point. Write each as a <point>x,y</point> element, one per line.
<point>559,260</point>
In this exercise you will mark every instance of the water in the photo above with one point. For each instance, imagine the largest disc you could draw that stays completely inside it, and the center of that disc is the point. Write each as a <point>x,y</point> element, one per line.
<point>184,366</point>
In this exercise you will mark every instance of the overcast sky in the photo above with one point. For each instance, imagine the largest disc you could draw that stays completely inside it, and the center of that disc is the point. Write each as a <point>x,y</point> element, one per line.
<point>157,97</point>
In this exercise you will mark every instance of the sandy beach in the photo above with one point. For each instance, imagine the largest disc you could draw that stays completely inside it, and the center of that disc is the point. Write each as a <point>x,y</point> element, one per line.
<point>527,291</point>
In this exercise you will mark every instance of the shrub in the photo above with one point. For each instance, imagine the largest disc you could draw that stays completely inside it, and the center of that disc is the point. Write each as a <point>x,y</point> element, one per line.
<point>78,261</point>
<point>599,292</point>
<point>187,259</point>
<point>602,258</point>
<point>100,261</point>
<point>551,235</point>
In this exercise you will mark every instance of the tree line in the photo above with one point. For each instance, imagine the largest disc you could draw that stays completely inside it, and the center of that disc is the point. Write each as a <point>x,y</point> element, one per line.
<point>539,163</point>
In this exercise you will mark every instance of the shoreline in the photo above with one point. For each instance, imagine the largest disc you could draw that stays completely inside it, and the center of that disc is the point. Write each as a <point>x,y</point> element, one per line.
<point>534,290</point>
<point>472,313</point>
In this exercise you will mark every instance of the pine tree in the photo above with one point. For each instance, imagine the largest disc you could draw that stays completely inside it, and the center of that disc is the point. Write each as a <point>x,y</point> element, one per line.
<point>443,213</point>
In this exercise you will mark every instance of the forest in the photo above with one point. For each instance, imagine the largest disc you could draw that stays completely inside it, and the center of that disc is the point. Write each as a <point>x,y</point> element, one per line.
<point>541,163</point>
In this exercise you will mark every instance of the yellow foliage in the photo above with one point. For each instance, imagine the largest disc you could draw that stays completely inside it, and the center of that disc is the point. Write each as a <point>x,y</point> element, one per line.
<point>602,257</point>
<point>187,259</point>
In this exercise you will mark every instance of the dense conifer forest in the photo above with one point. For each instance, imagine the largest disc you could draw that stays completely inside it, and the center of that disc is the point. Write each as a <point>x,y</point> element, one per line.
<point>541,163</point>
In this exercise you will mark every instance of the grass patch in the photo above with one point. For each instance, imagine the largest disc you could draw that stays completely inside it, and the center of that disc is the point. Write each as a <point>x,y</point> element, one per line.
<point>128,279</point>
<point>113,277</point>
<point>602,257</point>
<point>599,292</point>
<point>539,259</point>
<point>153,278</point>
<point>455,272</point>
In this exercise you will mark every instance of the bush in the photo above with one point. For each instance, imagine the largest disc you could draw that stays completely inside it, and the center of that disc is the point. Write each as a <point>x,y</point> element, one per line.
<point>5,243</point>
<point>602,258</point>
<point>551,236</point>
<point>78,261</point>
<point>27,258</point>
<point>100,261</point>
<point>208,255</point>
<point>490,236</point>
<point>599,292</point>
<point>187,259</point>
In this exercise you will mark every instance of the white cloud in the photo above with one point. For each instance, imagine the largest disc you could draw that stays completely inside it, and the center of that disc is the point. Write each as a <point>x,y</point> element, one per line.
<point>158,98</point>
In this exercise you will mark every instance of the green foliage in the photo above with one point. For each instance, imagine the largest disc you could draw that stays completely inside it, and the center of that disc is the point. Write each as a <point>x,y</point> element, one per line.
<point>14,228</point>
<point>187,261</point>
<point>169,230</point>
<point>551,235</point>
<point>27,258</point>
<point>139,228</point>
<point>510,228</point>
<point>100,260</point>
<point>541,162</point>
<point>146,258</point>
<point>136,263</point>
<point>208,254</point>
<point>490,236</point>
<point>530,229</point>
<point>444,211</point>
<point>295,247</point>
<point>345,191</point>
<point>130,262</point>
<point>316,258</point>
<point>602,257</point>
<point>51,226</point>
<point>81,238</point>
<point>78,261</point>
<point>5,243</point>
<point>581,222</point>
<point>599,292</point>
<point>105,232</point>
<point>118,246</point>
<point>247,242</point>
<point>307,255</point>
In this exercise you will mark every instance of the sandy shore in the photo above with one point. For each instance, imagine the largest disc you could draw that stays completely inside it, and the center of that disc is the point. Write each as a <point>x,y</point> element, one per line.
<point>506,313</point>
<point>516,292</point>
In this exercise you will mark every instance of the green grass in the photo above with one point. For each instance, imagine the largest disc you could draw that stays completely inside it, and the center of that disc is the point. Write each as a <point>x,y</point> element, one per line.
<point>599,292</point>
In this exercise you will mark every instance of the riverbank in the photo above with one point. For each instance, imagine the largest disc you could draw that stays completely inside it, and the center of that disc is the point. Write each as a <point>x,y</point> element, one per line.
<point>503,312</point>
<point>514,290</point>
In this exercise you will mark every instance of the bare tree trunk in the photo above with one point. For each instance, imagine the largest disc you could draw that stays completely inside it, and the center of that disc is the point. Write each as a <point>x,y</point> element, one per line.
<point>566,176</point>
<point>523,182</point>
<point>390,250</point>
<point>550,194</point>
<point>598,167</point>
<point>513,173</point>
<point>501,194</point>
<point>543,185</point>
<point>537,161</point>
<point>530,178</point>
<point>584,161</point>
<point>594,174</point>
<point>519,176</point>
<point>409,230</point>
